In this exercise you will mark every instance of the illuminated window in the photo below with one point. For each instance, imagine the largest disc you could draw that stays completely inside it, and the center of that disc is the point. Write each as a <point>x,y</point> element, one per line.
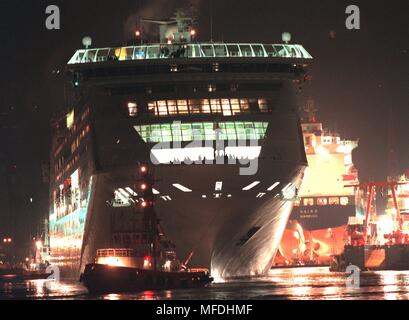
<point>206,106</point>
<point>244,105</point>
<point>132,109</point>
<point>152,108</point>
<point>235,106</point>
<point>162,108</point>
<point>215,106</point>
<point>195,106</point>
<point>308,202</point>
<point>182,107</point>
<point>70,119</point>
<point>322,201</point>
<point>172,108</point>
<point>263,106</point>
<point>226,107</point>
<point>202,131</point>
<point>246,50</point>
<point>211,88</point>
<point>344,201</point>
<point>333,201</point>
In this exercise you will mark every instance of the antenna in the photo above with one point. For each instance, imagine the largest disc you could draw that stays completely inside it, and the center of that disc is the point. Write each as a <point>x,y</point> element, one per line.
<point>211,20</point>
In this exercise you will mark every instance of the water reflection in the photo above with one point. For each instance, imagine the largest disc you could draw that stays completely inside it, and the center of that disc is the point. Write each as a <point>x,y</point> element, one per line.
<point>299,283</point>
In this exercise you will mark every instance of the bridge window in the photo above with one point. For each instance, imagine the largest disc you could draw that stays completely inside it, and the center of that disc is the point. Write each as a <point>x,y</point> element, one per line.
<point>202,131</point>
<point>333,201</point>
<point>226,107</point>
<point>220,50</point>
<point>308,201</point>
<point>246,51</point>
<point>234,50</point>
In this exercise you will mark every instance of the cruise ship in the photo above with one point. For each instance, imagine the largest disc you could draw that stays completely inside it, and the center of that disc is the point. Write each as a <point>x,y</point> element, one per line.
<point>317,226</point>
<point>217,122</point>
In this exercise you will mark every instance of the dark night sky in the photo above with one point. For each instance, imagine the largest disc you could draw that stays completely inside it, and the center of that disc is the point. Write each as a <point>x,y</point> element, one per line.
<point>357,75</point>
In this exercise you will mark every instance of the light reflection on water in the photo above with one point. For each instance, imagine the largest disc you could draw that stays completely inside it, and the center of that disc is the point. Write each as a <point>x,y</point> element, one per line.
<point>299,283</point>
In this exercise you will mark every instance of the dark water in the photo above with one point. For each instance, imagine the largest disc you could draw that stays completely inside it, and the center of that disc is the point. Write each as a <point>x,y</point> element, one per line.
<point>300,283</point>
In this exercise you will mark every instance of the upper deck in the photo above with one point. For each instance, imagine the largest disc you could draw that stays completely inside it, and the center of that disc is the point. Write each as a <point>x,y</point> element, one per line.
<point>190,51</point>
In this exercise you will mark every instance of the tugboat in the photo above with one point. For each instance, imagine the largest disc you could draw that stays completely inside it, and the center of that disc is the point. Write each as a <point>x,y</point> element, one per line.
<point>143,268</point>
<point>380,242</point>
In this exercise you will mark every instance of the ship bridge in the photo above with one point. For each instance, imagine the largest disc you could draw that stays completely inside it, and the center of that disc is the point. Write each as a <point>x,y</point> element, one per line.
<point>190,51</point>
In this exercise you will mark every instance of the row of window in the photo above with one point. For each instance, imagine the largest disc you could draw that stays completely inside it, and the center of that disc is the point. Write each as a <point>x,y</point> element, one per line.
<point>80,137</point>
<point>63,152</point>
<point>226,107</point>
<point>191,50</point>
<point>324,201</point>
<point>68,166</point>
<point>202,131</point>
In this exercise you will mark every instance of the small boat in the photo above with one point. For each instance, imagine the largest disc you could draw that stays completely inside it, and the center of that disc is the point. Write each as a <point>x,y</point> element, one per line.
<point>118,272</point>
<point>141,267</point>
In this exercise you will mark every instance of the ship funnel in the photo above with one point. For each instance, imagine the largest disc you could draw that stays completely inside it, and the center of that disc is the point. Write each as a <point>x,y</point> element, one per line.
<point>286,37</point>
<point>87,42</point>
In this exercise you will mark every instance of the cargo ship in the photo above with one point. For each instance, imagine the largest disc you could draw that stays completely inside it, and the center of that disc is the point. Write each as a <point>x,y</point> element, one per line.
<point>219,123</point>
<point>317,225</point>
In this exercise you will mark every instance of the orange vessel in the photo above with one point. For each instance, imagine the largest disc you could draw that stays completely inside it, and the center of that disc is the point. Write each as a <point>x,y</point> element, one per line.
<point>317,227</point>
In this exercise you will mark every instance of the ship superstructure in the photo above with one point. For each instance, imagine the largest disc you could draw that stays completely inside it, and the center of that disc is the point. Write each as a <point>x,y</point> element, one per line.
<point>325,202</point>
<point>219,124</point>
<point>318,221</point>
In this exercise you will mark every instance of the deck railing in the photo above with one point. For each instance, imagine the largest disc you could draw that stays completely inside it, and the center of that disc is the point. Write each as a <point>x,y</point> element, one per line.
<point>190,51</point>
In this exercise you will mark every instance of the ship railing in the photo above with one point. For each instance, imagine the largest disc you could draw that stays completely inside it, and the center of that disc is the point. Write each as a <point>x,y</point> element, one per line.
<point>191,51</point>
<point>199,270</point>
<point>115,253</point>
